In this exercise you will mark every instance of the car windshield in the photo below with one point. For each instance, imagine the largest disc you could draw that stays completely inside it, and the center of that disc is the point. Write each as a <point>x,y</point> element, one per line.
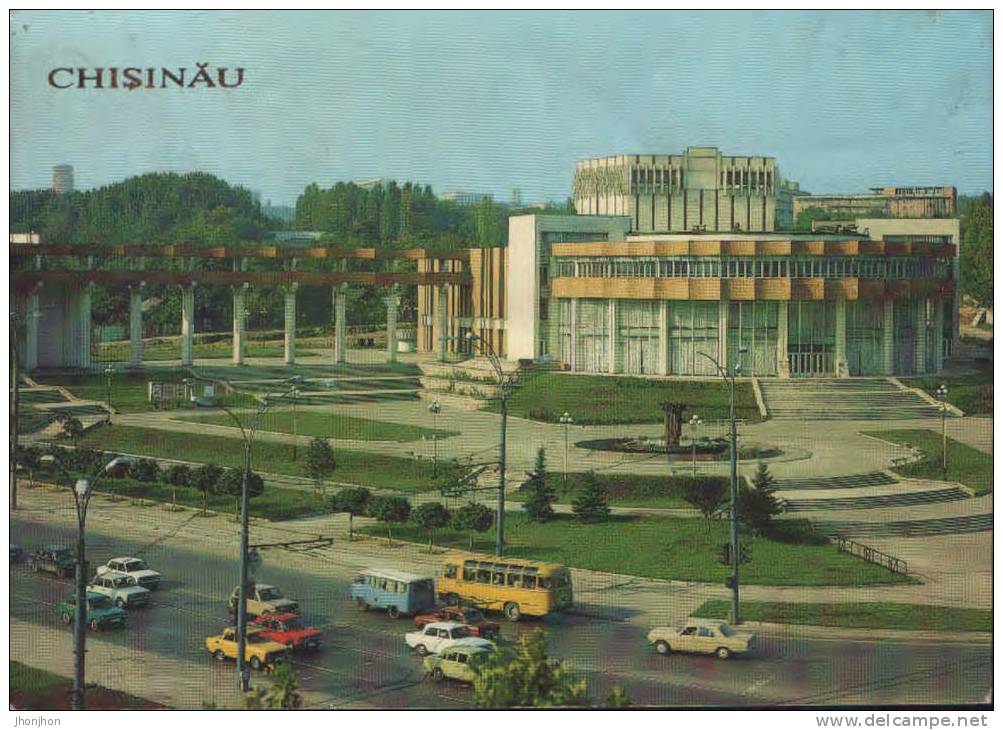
<point>99,603</point>
<point>269,594</point>
<point>726,630</point>
<point>256,639</point>
<point>135,565</point>
<point>460,632</point>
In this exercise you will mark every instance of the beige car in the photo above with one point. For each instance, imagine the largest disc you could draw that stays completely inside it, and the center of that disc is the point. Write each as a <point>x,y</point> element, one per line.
<point>702,636</point>
<point>263,598</point>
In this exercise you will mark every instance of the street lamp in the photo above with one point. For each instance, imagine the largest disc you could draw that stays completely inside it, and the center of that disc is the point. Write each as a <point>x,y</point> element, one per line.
<point>566,420</point>
<point>942,397</point>
<point>434,409</point>
<point>247,434</point>
<point>733,581</point>
<point>295,393</point>
<point>504,385</point>
<point>695,421</point>
<point>108,372</point>
<point>14,407</point>
<point>82,491</point>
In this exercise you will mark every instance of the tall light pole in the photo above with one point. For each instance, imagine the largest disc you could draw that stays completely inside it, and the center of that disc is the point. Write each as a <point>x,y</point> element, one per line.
<point>434,409</point>
<point>295,393</point>
<point>247,434</point>
<point>942,397</point>
<point>108,372</point>
<point>566,420</point>
<point>695,421</point>
<point>14,407</point>
<point>504,384</point>
<point>730,378</point>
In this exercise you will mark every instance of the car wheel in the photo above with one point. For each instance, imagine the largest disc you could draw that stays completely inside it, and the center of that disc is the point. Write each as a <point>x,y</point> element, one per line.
<point>662,647</point>
<point>437,674</point>
<point>218,655</point>
<point>723,652</point>
<point>452,599</point>
<point>255,663</point>
<point>422,651</point>
<point>361,605</point>
<point>66,618</point>
<point>95,626</point>
<point>512,612</point>
<point>393,612</point>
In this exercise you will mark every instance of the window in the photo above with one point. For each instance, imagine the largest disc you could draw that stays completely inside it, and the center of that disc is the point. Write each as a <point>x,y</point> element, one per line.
<point>469,573</point>
<point>450,571</point>
<point>450,657</point>
<point>689,631</point>
<point>443,633</point>
<point>705,632</point>
<point>430,631</point>
<point>461,658</point>
<point>498,579</point>
<point>483,575</point>
<point>514,580</point>
<point>529,581</point>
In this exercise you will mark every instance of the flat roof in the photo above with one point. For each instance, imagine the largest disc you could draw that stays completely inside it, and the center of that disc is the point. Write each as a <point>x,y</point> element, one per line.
<point>392,574</point>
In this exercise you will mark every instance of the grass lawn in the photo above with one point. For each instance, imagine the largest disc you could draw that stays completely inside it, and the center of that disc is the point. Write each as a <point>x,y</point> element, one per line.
<point>906,616</point>
<point>599,399</point>
<point>329,425</point>
<point>966,465</point>
<point>36,689</point>
<point>170,349</point>
<point>369,469</point>
<point>662,547</point>
<point>971,393</point>
<point>624,490</point>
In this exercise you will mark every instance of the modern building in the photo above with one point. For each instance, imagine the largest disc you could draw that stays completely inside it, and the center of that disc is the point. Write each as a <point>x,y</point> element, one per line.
<point>698,190</point>
<point>884,202</point>
<point>62,179</point>
<point>465,198</point>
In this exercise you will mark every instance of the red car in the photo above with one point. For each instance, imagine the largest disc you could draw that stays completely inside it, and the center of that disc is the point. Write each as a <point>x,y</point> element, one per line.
<point>471,617</point>
<point>288,629</point>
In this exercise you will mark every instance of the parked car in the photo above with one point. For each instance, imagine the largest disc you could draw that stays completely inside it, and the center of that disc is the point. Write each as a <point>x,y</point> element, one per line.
<point>400,593</point>
<point>120,588</point>
<point>455,663</point>
<point>119,466</point>
<point>288,629</point>
<point>702,637</point>
<point>470,617</point>
<point>440,635</point>
<point>16,553</point>
<point>59,560</point>
<point>259,652</point>
<point>99,613</point>
<point>262,598</point>
<point>137,568</point>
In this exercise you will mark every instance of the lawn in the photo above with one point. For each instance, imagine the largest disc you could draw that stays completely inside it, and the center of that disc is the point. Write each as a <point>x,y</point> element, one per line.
<point>972,393</point>
<point>358,467</point>
<point>39,690</point>
<point>601,399</point>
<point>662,547</point>
<point>905,616</point>
<point>625,490</point>
<point>329,425</point>
<point>170,349</point>
<point>965,465</point>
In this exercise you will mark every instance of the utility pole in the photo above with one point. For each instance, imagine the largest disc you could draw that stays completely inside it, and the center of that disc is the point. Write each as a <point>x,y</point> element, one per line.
<point>14,405</point>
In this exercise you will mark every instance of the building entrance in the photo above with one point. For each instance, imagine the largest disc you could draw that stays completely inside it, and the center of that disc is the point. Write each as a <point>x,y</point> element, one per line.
<point>811,339</point>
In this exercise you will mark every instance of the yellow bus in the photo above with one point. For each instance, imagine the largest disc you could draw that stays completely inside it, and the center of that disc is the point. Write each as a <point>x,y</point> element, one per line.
<point>515,587</point>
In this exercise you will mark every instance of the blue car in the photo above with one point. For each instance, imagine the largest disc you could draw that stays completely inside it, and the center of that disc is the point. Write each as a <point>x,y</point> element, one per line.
<point>399,593</point>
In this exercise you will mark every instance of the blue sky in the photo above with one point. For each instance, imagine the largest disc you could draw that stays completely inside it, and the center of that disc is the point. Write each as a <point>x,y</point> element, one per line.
<point>488,101</point>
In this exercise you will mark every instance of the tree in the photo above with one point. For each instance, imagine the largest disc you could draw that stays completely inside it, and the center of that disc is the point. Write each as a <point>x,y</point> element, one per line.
<point>540,498</point>
<point>390,509</point>
<point>144,470</point>
<point>976,262</point>
<point>522,675</point>
<point>431,516</point>
<point>282,695</point>
<point>673,420</point>
<point>617,697</point>
<point>354,501</point>
<point>591,504</point>
<point>73,429</point>
<point>319,462</point>
<point>704,493</point>
<point>231,483</point>
<point>29,458</point>
<point>178,475</point>
<point>472,517</point>
<point>758,505</point>
<point>204,479</point>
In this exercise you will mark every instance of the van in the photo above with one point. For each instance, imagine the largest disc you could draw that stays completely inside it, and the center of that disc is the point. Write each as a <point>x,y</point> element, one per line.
<point>399,593</point>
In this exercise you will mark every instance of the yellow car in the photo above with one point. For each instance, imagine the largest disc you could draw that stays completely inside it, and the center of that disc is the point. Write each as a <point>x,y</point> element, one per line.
<point>259,652</point>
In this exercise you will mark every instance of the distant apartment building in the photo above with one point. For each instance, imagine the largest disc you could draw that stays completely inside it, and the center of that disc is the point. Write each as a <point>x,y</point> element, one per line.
<point>884,202</point>
<point>465,198</point>
<point>698,190</point>
<point>62,179</point>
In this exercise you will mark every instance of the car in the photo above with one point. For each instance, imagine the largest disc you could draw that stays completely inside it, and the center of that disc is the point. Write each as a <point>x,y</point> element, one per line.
<point>440,635</point>
<point>701,636</point>
<point>263,598</point>
<point>288,629</point>
<point>99,614</point>
<point>137,568</point>
<point>59,560</point>
<point>119,466</point>
<point>471,617</point>
<point>259,652</point>
<point>456,662</point>
<point>16,553</point>
<point>120,588</point>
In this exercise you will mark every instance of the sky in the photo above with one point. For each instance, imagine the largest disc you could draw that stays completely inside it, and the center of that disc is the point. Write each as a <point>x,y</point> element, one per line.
<point>491,101</point>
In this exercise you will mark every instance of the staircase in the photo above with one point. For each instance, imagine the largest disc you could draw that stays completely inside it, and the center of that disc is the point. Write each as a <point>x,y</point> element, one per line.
<point>863,399</point>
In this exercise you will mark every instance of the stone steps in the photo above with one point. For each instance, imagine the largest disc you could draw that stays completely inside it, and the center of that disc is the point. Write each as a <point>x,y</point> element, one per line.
<point>876,501</point>
<point>853,399</point>
<point>909,528</point>
<point>849,481</point>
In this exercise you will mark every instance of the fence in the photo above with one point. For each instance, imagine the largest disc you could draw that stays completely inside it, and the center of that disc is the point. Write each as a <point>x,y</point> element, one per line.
<point>871,555</point>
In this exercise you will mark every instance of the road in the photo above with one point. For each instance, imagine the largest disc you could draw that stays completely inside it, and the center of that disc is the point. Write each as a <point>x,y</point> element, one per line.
<point>364,661</point>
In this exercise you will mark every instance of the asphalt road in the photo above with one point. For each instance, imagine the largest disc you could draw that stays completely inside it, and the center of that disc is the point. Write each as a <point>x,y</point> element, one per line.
<point>365,662</point>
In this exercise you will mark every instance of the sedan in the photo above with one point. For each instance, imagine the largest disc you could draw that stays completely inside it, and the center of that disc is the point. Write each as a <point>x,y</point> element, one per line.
<point>702,637</point>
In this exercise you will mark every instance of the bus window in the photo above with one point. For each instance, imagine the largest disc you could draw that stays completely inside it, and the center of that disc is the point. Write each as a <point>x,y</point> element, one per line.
<point>515,580</point>
<point>529,581</point>
<point>544,584</point>
<point>401,587</point>
<point>498,579</point>
<point>450,571</point>
<point>383,584</point>
<point>469,573</point>
<point>483,575</point>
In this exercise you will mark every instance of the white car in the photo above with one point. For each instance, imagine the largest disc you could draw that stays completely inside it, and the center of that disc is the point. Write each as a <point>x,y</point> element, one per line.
<point>122,589</point>
<point>702,636</point>
<point>146,578</point>
<point>439,635</point>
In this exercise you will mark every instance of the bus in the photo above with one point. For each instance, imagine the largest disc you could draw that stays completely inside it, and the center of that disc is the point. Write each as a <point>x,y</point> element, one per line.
<point>515,587</point>
<point>397,592</point>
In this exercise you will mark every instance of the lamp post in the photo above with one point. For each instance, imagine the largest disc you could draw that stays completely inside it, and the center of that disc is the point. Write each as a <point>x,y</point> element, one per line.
<point>695,421</point>
<point>247,434</point>
<point>504,384</point>
<point>733,581</point>
<point>108,372</point>
<point>295,393</point>
<point>434,409</point>
<point>566,420</point>
<point>942,397</point>
<point>14,407</point>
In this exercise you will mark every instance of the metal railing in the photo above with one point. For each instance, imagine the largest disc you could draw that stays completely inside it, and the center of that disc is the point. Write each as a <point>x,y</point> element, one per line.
<point>871,555</point>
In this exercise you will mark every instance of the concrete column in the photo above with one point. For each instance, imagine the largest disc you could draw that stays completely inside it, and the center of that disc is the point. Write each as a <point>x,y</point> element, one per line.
<point>888,337</point>
<point>32,313</point>
<point>574,335</point>
<point>722,338</point>
<point>663,337</point>
<point>84,314</point>
<point>392,301</point>
<point>135,326</point>
<point>340,324</point>
<point>187,324</point>
<point>919,356</point>
<point>611,325</point>
<point>842,368</point>
<point>441,310</point>
<point>290,330</point>
<point>783,362</point>
<point>239,322</point>
<point>938,335</point>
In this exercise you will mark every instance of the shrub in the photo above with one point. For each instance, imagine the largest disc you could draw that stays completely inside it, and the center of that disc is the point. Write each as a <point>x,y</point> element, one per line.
<point>591,504</point>
<point>799,532</point>
<point>472,517</point>
<point>354,501</point>
<point>231,483</point>
<point>144,470</point>
<point>431,516</point>
<point>179,475</point>
<point>390,509</point>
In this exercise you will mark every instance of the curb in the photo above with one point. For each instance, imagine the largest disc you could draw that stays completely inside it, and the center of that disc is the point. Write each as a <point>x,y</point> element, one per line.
<point>865,634</point>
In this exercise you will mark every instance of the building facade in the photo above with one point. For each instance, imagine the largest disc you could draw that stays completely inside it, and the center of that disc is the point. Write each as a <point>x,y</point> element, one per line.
<point>62,179</point>
<point>884,202</point>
